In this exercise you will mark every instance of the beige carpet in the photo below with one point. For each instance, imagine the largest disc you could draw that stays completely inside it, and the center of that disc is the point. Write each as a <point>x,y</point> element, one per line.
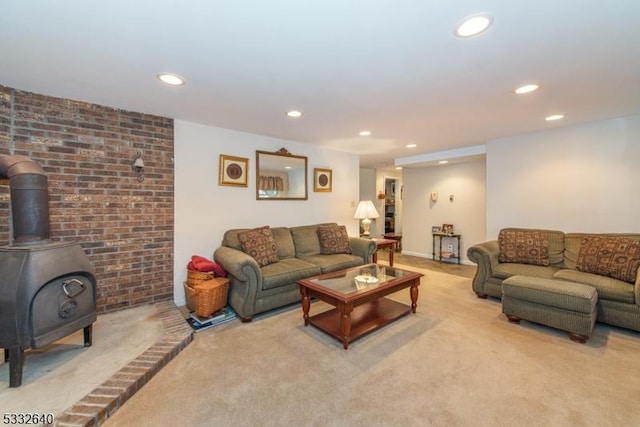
<point>457,362</point>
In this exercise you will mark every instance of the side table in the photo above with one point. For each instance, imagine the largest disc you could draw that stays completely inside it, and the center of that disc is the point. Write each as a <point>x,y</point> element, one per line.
<point>384,244</point>
<point>397,237</point>
<point>445,254</point>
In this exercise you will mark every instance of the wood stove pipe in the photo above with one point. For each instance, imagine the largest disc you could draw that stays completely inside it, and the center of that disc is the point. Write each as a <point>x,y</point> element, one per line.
<point>29,199</point>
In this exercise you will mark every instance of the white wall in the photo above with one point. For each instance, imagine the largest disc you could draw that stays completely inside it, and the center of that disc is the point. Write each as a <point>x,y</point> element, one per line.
<point>466,182</point>
<point>368,192</point>
<point>204,210</point>
<point>575,179</point>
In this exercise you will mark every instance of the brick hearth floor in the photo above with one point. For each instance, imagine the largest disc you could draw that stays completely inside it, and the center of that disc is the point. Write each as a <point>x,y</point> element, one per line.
<point>129,348</point>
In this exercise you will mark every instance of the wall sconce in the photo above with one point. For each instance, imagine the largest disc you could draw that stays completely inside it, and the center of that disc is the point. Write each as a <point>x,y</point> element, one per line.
<point>138,166</point>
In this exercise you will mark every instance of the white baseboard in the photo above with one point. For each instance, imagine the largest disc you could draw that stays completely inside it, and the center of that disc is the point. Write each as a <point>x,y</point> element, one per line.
<point>429,256</point>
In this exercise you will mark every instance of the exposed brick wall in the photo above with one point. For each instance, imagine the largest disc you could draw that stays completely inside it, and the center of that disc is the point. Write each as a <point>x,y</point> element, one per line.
<point>125,226</point>
<point>5,137</point>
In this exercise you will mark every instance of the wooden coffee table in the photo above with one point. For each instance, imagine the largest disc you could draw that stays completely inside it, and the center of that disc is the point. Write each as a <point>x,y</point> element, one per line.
<point>360,308</point>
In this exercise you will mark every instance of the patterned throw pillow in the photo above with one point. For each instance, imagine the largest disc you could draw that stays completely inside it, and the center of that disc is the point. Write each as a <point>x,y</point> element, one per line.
<point>334,239</point>
<point>260,244</point>
<point>524,246</point>
<point>617,257</point>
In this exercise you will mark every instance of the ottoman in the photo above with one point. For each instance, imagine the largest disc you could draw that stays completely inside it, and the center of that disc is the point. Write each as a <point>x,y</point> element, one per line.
<point>567,306</point>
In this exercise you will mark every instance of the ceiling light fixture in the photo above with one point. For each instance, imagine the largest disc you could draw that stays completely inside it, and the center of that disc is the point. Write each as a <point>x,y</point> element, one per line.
<point>171,79</point>
<point>411,145</point>
<point>554,117</point>
<point>294,113</point>
<point>364,133</point>
<point>443,162</point>
<point>473,25</point>
<point>527,89</point>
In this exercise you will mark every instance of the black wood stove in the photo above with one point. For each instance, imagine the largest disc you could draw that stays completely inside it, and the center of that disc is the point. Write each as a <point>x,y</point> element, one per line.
<point>47,289</point>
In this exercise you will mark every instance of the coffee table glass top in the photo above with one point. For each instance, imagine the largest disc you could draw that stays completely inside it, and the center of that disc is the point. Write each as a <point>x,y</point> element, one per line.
<point>359,278</point>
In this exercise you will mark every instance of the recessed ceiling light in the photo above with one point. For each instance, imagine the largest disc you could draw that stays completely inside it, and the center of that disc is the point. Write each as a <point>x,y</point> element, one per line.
<point>473,25</point>
<point>398,168</point>
<point>171,79</point>
<point>364,133</point>
<point>294,113</point>
<point>443,162</point>
<point>527,88</point>
<point>411,145</point>
<point>554,117</point>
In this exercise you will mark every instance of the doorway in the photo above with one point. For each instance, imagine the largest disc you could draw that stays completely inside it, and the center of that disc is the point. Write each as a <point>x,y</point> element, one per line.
<point>392,203</point>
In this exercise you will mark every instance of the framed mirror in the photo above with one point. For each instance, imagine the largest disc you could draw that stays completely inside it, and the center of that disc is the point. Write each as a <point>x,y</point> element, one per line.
<point>280,176</point>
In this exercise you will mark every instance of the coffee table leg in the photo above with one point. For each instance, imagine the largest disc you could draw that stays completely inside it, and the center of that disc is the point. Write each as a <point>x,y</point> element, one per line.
<point>345,324</point>
<point>306,304</point>
<point>391,251</point>
<point>414,295</point>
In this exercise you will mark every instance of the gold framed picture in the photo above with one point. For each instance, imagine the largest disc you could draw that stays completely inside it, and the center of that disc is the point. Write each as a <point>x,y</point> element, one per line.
<point>321,179</point>
<point>234,171</point>
<point>447,228</point>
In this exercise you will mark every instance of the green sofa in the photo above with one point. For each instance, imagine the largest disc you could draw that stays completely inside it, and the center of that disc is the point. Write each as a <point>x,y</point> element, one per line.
<point>255,289</point>
<point>607,262</point>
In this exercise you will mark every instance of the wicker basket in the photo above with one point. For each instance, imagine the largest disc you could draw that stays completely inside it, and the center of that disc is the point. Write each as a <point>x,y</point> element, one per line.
<point>190,295</point>
<point>196,277</point>
<point>211,296</point>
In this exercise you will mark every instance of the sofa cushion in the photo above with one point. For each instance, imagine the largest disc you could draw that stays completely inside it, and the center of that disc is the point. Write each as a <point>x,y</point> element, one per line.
<point>329,263</point>
<point>607,287</point>
<point>333,239</point>
<point>305,239</point>
<point>287,272</point>
<point>573,242</point>
<point>611,256</point>
<point>284,242</point>
<point>508,269</point>
<point>524,246</point>
<point>259,244</point>
<point>230,238</point>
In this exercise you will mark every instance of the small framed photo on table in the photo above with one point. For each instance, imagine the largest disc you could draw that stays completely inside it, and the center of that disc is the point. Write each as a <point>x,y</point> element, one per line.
<point>322,179</point>
<point>234,171</point>
<point>436,229</point>
<point>447,228</point>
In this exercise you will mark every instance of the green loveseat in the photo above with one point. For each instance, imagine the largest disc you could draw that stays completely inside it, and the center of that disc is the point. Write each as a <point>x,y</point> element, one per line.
<point>607,262</point>
<point>255,289</point>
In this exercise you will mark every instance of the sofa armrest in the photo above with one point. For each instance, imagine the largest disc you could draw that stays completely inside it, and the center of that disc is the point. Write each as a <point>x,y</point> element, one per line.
<point>245,279</point>
<point>485,255</point>
<point>364,248</point>
<point>235,262</point>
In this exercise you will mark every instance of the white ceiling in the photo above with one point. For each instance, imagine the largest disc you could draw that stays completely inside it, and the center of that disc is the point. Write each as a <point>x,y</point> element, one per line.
<point>392,67</point>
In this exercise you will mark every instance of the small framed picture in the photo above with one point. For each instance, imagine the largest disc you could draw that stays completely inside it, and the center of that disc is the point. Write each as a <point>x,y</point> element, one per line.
<point>234,171</point>
<point>321,179</point>
<point>436,229</point>
<point>447,228</point>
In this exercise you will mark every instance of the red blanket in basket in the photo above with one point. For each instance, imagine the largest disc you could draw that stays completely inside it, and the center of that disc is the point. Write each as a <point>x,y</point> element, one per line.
<point>199,263</point>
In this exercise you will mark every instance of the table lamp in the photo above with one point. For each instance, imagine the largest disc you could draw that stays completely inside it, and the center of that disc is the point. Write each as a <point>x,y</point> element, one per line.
<point>365,212</point>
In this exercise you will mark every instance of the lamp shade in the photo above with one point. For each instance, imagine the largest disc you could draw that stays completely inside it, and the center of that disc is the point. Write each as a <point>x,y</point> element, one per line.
<point>366,210</point>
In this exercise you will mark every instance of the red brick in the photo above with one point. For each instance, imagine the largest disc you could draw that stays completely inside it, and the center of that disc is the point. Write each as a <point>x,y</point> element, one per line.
<point>86,151</point>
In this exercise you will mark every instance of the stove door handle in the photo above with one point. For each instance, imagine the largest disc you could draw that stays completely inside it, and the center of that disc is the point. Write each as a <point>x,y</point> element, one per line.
<point>73,287</point>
